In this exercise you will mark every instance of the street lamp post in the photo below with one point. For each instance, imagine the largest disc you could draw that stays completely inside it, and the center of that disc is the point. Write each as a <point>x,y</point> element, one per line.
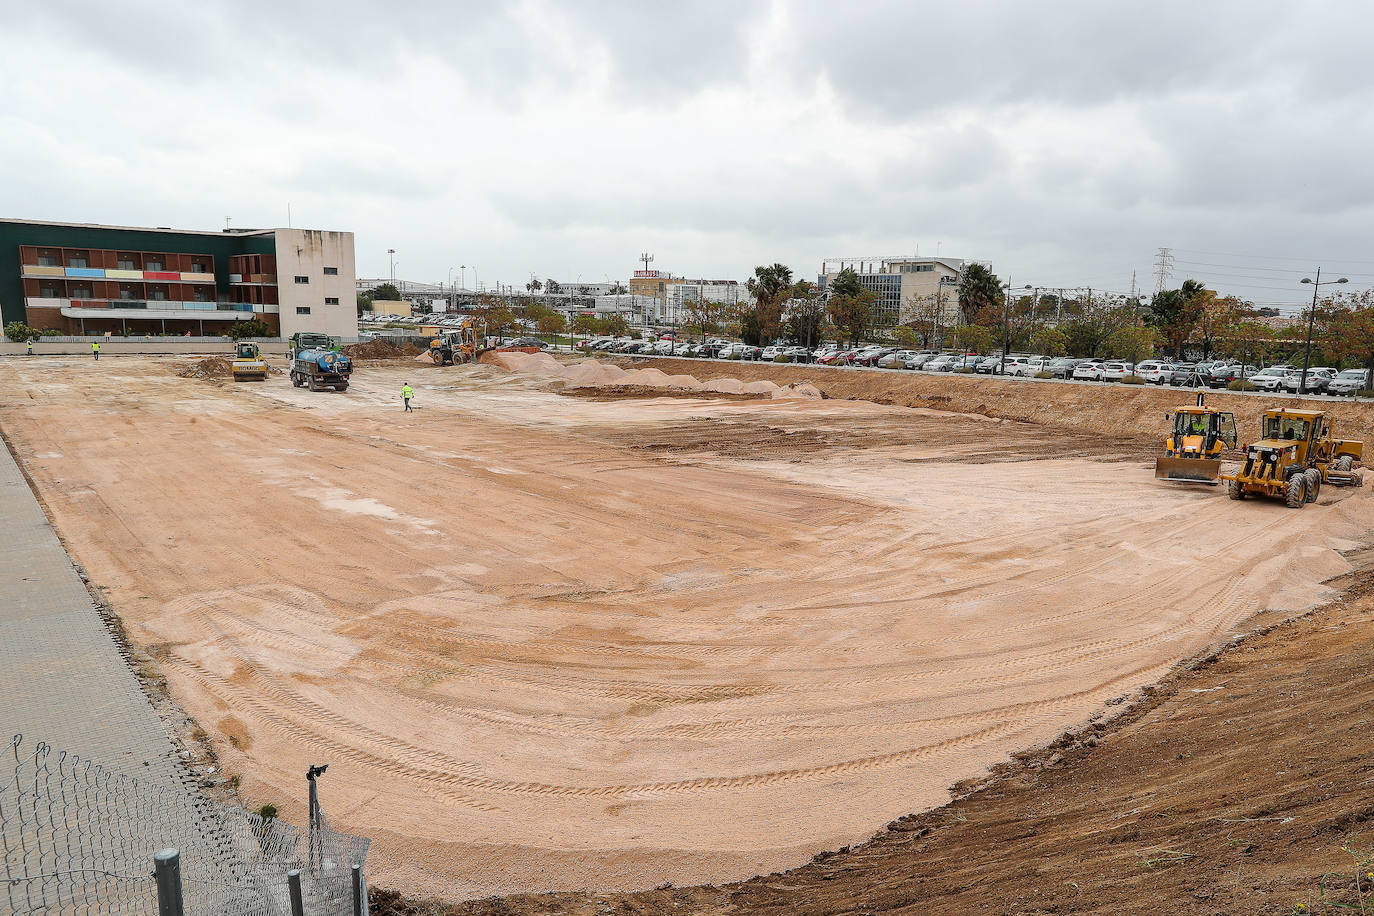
<point>1006,326</point>
<point>1311,320</point>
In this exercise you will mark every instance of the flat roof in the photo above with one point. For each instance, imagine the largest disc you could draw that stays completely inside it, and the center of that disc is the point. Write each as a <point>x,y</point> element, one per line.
<point>221,233</point>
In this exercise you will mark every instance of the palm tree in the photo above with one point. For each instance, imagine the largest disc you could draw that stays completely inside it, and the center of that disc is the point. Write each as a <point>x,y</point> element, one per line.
<point>979,289</point>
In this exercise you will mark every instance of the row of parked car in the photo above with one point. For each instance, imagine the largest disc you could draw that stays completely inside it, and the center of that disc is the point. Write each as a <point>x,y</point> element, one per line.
<point>1210,373</point>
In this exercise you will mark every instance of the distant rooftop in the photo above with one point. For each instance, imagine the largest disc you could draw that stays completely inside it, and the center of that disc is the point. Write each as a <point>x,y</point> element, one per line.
<point>220,232</point>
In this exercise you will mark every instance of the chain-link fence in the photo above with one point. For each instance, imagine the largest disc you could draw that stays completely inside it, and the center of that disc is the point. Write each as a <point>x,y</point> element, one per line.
<point>79,839</point>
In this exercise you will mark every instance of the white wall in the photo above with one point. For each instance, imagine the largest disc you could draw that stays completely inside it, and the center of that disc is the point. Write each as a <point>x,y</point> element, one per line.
<point>306,253</point>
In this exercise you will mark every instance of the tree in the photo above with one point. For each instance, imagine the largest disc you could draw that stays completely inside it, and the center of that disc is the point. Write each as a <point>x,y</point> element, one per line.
<point>926,317</point>
<point>1132,342</point>
<point>585,324</point>
<point>494,314</point>
<point>979,289</point>
<point>1347,330</point>
<point>851,306</point>
<point>364,304</point>
<point>1049,342</point>
<point>1216,319</point>
<point>534,285</point>
<point>703,314</point>
<point>1094,321</point>
<point>770,286</point>
<point>975,338</point>
<point>805,318</point>
<point>387,292</point>
<point>552,323</point>
<point>552,287</point>
<point>19,332</point>
<point>253,328</point>
<point>613,325</point>
<point>1175,312</point>
<point>617,289</point>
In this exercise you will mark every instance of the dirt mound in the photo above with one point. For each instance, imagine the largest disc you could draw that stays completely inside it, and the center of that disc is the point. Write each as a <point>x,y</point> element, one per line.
<point>381,349</point>
<point>592,373</point>
<point>631,392</point>
<point>209,367</point>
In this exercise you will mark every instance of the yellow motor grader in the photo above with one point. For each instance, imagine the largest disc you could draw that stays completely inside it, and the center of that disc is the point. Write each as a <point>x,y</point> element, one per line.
<point>1192,451</point>
<point>1295,455</point>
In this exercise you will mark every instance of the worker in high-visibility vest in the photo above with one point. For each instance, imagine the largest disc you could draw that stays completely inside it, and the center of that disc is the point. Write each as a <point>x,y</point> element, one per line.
<point>29,343</point>
<point>95,350</point>
<point>406,394</point>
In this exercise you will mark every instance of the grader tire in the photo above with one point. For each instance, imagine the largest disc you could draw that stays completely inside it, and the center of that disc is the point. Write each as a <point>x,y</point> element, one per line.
<point>1297,491</point>
<point>1314,484</point>
<point>1345,464</point>
<point>1234,489</point>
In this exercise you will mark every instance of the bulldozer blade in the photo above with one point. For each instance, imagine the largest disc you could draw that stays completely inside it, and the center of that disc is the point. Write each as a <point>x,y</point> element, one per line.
<point>1188,470</point>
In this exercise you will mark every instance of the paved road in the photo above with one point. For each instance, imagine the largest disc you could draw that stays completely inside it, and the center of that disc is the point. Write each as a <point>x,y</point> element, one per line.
<point>62,679</point>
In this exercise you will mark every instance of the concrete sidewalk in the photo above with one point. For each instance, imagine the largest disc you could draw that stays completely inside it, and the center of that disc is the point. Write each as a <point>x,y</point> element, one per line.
<point>62,678</point>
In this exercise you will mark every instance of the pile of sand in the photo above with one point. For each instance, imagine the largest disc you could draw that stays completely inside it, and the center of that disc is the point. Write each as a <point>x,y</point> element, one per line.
<point>209,367</point>
<point>381,349</point>
<point>591,373</point>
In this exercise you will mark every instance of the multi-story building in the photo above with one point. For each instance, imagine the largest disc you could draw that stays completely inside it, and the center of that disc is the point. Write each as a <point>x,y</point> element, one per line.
<point>87,279</point>
<point>680,296</point>
<point>908,288</point>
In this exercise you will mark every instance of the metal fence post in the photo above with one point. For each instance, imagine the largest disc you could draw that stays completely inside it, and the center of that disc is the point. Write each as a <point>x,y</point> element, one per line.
<point>357,890</point>
<point>293,885</point>
<point>167,867</point>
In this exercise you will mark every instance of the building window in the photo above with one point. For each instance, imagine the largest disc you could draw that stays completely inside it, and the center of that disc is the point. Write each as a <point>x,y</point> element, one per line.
<point>331,271</point>
<point>302,279</point>
<point>47,260</point>
<point>76,260</point>
<point>200,294</point>
<point>125,263</point>
<point>80,293</point>
<point>198,267</point>
<point>331,300</point>
<point>302,310</point>
<point>154,264</point>
<point>159,294</point>
<point>50,292</point>
<point>126,292</point>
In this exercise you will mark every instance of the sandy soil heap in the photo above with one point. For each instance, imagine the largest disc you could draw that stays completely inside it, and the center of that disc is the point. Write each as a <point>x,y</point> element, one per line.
<point>540,653</point>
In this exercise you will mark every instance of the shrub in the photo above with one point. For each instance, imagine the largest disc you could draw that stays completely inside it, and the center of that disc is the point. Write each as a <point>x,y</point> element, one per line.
<point>267,811</point>
<point>782,358</point>
<point>1043,374</point>
<point>253,328</point>
<point>1240,384</point>
<point>1365,393</point>
<point>733,356</point>
<point>1132,380</point>
<point>966,370</point>
<point>19,332</point>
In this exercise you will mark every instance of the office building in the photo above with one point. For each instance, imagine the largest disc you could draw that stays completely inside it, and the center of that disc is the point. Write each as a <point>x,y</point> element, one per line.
<point>78,278</point>
<point>908,288</point>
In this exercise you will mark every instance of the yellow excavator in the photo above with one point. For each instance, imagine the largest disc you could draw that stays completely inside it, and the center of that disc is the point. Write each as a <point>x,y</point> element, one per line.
<point>1192,450</point>
<point>248,362</point>
<point>458,346</point>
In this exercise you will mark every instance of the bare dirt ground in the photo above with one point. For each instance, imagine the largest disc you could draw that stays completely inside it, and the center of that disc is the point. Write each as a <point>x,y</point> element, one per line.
<point>551,643</point>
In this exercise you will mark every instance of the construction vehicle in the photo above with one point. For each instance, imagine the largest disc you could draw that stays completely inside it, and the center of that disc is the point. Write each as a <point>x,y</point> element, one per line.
<point>1192,451</point>
<point>248,362</point>
<point>310,340</point>
<point>458,346</point>
<point>1295,455</point>
<point>320,369</point>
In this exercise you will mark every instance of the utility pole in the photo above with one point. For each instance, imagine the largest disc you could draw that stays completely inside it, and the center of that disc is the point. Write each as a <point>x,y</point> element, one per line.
<point>391,253</point>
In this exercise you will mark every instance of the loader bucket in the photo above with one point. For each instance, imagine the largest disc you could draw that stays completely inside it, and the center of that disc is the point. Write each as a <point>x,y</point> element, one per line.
<point>1188,470</point>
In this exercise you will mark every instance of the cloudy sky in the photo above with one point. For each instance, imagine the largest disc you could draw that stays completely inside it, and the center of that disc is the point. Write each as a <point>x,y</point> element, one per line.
<point>1065,142</point>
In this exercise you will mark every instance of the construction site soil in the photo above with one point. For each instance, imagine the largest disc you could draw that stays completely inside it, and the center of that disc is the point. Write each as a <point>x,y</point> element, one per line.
<point>561,644</point>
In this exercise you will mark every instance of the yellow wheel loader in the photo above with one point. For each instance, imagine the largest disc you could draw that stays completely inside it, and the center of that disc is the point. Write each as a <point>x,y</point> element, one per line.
<point>458,346</point>
<point>248,362</point>
<point>1294,457</point>
<point>1192,450</point>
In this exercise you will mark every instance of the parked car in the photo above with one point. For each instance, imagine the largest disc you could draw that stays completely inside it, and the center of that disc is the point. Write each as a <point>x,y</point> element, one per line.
<point>1347,382</point>
<point>1062,366</point>
<point>987,365</point>
<point>1319,379</point>
<point>1090,370</point>
<point>1115,372</point>
<point>1154,371</point>
<point>1270,379</point>
<point>942,363</point>
<point>894,360</point>
<point>1019,365</point>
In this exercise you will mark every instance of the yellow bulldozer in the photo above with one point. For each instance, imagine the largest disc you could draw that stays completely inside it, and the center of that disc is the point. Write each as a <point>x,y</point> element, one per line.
<point>1295,455</point>
<point>1192,450</point>
<point>248,362</point>
<point>458,346</point>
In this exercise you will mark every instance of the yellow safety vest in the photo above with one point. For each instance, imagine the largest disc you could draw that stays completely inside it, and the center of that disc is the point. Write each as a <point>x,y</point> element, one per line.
<point>407,391</point>
<point>95,347</point>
